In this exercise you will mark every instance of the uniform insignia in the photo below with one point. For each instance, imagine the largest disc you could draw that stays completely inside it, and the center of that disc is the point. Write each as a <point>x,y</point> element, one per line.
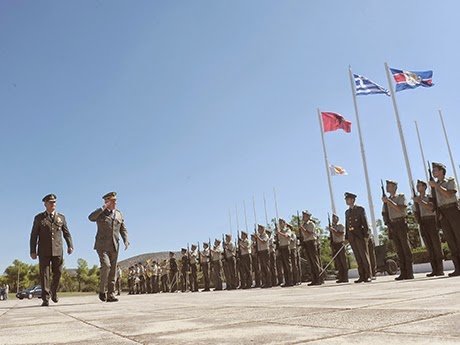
<point>58,219</point>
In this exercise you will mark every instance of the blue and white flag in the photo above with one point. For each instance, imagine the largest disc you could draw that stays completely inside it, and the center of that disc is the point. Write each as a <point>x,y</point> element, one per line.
<point>366,86</point>
<point>411,80</point>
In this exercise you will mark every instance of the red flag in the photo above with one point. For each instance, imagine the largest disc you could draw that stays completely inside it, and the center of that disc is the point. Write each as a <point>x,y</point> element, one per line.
<point>334,121</point>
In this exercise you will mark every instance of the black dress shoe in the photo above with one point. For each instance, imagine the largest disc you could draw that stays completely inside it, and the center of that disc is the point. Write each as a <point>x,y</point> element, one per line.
<point>359,281</point>
<point>367,280</point>
<point>55,298</point>
<point>409,277</point>
<point>432,274</point>
<point>102,296</point>
<point>45,303</point>
<point>112,299</point>
<point>399,277</point>
<point>454,274</point>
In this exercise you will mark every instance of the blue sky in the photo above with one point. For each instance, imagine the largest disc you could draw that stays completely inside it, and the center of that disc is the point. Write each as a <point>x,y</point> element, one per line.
<point>187,108</point>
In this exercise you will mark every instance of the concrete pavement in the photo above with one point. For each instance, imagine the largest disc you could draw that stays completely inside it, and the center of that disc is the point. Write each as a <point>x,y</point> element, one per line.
<point>420,311</point>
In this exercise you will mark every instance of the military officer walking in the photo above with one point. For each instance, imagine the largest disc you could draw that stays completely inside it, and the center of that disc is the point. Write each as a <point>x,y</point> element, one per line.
<point>110,226</point>
<point>446,190</point>
<point>397,213</point>
<point>47,231</point>
<point>357,233</point>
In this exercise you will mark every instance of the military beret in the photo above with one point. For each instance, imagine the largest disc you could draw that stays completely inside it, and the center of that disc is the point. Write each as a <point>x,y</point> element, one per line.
<point>228,235</point>
<point>244,232</point>
<point>335,215</point>
<point>193,245</point>
<point>268,232</point>
<point>49,197</point>
<point>110,195</point>
<point>217,240</point>
<point>438,165</point>
<point>171,253</point>
<point>350,195</point>
<point>281,220</point>
<point>422,182</point>
<point>260,226</point>
<point>308,213</point>
<point>205,244</point>
<point>183,250</point>
<point>392,182</point>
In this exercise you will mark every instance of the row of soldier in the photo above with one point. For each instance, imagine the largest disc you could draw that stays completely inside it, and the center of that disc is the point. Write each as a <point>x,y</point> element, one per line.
<point>260,259</point>
<point>265,258</point>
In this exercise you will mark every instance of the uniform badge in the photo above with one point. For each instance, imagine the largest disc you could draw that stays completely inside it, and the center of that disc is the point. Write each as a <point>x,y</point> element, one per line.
<point>59,219</point>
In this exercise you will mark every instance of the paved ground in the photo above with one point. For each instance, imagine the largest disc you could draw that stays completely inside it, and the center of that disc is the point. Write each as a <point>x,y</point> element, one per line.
<point>421,311</point>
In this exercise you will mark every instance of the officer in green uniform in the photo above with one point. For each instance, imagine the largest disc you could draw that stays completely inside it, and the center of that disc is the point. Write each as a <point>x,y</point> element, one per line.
<point>397,209</point>
<point>110,226</point>
<point>47,232</point>
<point>446,190</point>
<point>357,234</point>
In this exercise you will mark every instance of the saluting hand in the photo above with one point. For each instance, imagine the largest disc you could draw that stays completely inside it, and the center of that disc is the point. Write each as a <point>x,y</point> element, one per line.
<point>126,245</point>
<point>33,256</point>
<point>69,250</point>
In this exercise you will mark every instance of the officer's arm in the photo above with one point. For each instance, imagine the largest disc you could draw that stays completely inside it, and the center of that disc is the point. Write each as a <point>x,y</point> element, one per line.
<point>67,236</point>
<point>365,226</point>
<point>95,214</point>
<point>124,232</point>
<point>34,236</point>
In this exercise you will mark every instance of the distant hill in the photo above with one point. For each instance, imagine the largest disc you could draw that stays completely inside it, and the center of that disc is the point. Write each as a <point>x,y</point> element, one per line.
<point>144,257</point>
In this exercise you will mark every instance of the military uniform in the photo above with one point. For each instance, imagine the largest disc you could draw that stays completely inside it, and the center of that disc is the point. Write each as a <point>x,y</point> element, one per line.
<point>155,277</point>
<point>338,236</point>
<point>204,257</point>
<point>357,233</point>
<point>272,258</point>
<point>173,273</point>
<point>450,217</point>
<point>119,276</point>
<point>47,232</point>
<point>110,226</point>
<point>216,266</point>
<point>284,237</point>
<point>245,261</point>
<point>255,261</point>
<point>309,243</point>
<point>185,269</point>
<point>193,272</point>
<point>229,254</point>
<point>400,234</point>
<point>294,258</point>
<point>262,251</point>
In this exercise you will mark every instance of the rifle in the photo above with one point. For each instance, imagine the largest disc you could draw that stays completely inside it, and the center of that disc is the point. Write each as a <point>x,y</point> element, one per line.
<point>237,244</point>
<point>210,255</point>
<point>331,238</point>
<point>386,213</point>
<point>434,198</point>
<point>299,226</point>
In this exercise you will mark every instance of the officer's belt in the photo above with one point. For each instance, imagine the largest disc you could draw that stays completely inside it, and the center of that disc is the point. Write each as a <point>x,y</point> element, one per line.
<point>398,220</point>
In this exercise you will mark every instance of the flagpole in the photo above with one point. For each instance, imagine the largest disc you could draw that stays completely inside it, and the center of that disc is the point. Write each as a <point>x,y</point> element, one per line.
<point>398,121</point>
<point>230,220</point>
<point>448,147</point>
<point>401,136</point>
<point>363,155</point>
<point>421,151</point>
<point>328,170</point>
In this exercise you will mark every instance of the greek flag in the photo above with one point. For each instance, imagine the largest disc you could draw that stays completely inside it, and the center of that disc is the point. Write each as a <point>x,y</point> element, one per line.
<point>366,86</point>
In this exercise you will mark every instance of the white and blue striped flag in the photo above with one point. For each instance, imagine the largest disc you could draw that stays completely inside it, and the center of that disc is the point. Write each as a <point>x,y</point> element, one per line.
<point>366,86</point>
